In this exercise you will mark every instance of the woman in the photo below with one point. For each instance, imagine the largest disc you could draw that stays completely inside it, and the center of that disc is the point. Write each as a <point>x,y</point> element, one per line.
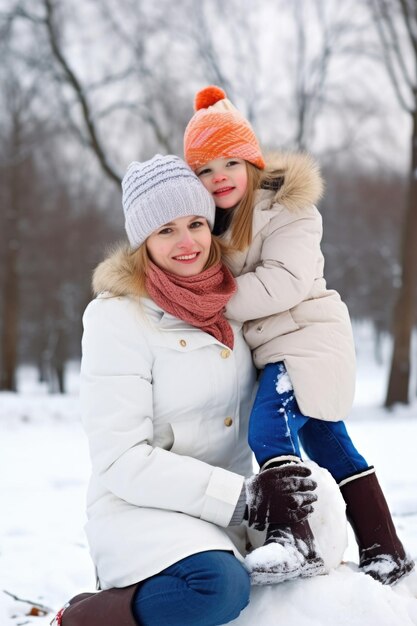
<point>166,389</point>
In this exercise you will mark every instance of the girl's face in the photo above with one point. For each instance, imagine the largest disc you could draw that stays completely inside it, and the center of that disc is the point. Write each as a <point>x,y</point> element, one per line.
<point>182,246</point>
<point>226,180</point>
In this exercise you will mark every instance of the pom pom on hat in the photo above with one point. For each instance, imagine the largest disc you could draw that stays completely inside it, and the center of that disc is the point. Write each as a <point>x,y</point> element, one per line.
<point>208,96</point>
<point>217,130</point>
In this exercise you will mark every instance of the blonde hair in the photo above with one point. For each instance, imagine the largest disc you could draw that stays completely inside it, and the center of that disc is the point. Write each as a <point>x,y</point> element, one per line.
<point>241,225</point>
<point>141,260</point>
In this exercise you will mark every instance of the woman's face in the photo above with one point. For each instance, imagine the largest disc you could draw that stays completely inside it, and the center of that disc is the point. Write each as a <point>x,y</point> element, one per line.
<point>226,180</point>
<point>182,246</point>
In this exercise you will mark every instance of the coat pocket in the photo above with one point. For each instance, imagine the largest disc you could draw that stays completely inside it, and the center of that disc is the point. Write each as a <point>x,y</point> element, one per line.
<point>186,437</point>
<point>258,332</point>
<point>209,441</point>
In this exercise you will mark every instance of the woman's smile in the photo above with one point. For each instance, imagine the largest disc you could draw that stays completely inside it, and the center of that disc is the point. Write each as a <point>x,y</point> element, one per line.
<point>187,258</point>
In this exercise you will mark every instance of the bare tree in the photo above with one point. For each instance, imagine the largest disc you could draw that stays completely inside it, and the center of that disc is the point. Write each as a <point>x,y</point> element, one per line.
<point>16,178</point>
<point>148,100</point>
<point>325,36</point>
<point>21,130</point>
<point>360,242</point>
<point>396,23</point>
<point>89,133</point>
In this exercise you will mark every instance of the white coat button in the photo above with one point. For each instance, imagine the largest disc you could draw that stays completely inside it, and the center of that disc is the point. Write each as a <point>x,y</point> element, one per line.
<point>225,353</point>
<point>183,343</point>
<point>228,421</point>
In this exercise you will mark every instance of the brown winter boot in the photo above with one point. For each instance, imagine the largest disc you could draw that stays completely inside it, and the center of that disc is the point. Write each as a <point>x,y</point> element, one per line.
<point>381,553</point>
<point>112,607</point>
<point>288,552</point>
<point>296,554</point>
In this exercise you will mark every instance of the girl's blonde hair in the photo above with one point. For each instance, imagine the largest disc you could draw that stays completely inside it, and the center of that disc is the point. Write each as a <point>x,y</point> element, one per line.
<point>241,225</point>
<point>141,260</point>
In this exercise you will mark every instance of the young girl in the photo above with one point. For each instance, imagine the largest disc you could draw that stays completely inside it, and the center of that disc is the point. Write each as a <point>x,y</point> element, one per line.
<point>299,331</point>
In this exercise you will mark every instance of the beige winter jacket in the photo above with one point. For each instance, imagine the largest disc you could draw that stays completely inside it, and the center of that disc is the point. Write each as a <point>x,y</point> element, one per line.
<point>281,288</point>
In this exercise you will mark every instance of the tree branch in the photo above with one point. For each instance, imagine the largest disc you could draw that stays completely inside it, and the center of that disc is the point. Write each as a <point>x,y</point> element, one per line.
<point>42,607</point>
<point>385,45</point>
<point>396,47</point>
<point>407,21</point>
<point>79,92</point>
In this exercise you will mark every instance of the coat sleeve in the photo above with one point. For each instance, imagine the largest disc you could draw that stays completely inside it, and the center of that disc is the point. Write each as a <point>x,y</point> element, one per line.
<point>117,408</point>
<point>287,267</point>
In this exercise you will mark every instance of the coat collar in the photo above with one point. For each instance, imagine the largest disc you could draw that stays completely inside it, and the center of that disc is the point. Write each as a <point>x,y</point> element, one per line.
<point>302,183</point>
<point>169,322</point>
<point>302,186</point>
<point>115,277</point>
<point>116,274</point>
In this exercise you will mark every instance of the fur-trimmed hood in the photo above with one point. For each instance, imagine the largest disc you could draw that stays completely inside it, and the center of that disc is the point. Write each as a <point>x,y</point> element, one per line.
<point>117,274</point>
<point>302,183</point>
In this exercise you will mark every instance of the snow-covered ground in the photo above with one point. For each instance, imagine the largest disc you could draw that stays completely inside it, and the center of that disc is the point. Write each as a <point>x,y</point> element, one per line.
<point>44,468</point>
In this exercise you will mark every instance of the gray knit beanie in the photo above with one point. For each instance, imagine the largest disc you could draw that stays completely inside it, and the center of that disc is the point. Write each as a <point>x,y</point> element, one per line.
<point>158,191</point>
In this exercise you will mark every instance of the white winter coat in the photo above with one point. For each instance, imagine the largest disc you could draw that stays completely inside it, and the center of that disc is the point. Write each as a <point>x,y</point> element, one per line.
<point>281,289</point>
<point>165,407</point>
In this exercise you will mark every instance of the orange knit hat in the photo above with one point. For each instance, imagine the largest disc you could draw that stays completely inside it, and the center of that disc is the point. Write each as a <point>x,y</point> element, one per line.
<point>217,130</point>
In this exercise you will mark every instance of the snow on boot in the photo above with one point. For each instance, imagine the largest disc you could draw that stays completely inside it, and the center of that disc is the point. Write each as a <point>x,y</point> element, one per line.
<point>112,607</point>
<point>381,553</point>
<point>274,562</point>
<point>288,552</point>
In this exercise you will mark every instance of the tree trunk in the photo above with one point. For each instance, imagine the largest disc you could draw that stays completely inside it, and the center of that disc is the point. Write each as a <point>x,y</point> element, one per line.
<point>60,374</point>
<point>59,361</point>
<point>404,312</point>
<point>10,287</point>
<point>9,329</point>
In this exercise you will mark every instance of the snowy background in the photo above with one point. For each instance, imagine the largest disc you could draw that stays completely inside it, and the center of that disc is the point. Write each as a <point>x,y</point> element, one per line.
<point>44,471</point>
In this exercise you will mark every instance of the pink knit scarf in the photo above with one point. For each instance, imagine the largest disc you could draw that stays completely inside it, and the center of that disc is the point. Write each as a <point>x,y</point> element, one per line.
<point>198,300</point>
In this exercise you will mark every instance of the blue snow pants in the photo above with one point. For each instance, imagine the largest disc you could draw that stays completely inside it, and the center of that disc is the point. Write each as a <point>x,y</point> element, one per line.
<point>277,426</point>
<point>205,589</point>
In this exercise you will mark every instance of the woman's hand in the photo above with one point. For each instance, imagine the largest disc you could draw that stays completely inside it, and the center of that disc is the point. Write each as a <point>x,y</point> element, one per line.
<point>280,495</point>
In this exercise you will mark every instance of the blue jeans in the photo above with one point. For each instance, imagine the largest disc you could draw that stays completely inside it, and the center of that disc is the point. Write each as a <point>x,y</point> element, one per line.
<point>277,426</point>
<point>205,589</point>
